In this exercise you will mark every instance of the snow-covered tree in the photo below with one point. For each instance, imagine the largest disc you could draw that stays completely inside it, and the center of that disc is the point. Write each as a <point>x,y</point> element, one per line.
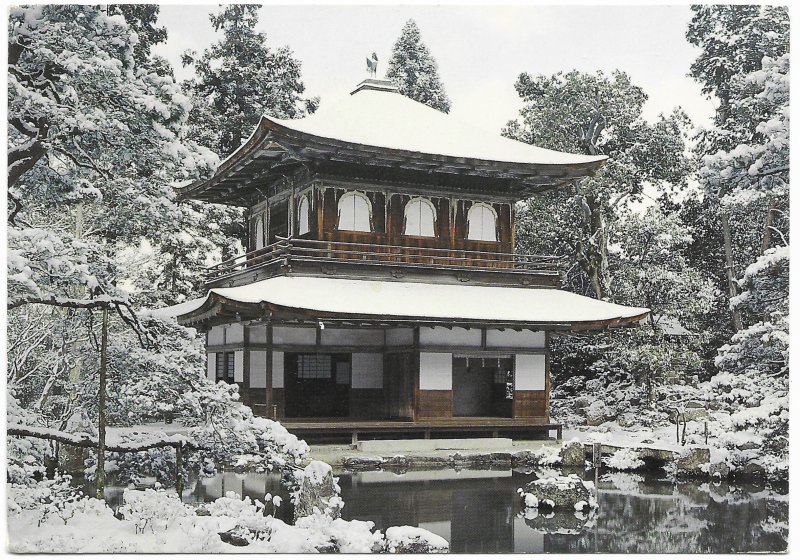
<point>240,78</point>
<point>237,80</point>
<point>596,114</point>
<point>95,142</point>
<point>753,380</point>
<point>414,70</point>
<point>743,62</point>
<point>615,249</point>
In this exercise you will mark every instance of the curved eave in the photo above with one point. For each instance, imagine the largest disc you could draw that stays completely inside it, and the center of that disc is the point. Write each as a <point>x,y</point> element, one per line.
<point>218,309</point>
<point>276,141</point>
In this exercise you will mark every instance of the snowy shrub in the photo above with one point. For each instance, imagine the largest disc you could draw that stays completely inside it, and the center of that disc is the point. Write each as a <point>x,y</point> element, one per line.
<point>134,468</point>
<point>25,456</point>
<point>51,498</point>
<point>232,505</point>
<point>153,509</point>
<point>233,430</point>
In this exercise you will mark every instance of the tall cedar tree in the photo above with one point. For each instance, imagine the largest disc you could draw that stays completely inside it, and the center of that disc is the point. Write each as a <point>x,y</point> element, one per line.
<point>742,48</point>
<point>744,172</point>
<point>239,79</point>
<point>414,70</point>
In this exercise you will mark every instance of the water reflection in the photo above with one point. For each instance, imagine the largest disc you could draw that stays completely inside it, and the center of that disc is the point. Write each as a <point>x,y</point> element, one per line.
<point>479,511</point>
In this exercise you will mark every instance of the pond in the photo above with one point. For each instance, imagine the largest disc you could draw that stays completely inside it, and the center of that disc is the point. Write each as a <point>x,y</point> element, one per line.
<point>480,511</point>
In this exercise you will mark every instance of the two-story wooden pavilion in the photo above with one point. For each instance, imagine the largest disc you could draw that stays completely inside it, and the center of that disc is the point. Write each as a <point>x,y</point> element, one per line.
<point>381,290</point>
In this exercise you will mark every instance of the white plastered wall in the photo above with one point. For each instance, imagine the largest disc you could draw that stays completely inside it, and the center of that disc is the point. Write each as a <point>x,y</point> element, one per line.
<point>352,337</point>
<point>257,334</point>
<point>442,336</point>
<point>435,371</point>
<point>211,366</point>
<point>294,335</point>
<point>216,336</point>
<point>514,339</point>
<point>234,334</point>
<point>399,337</point>
<point>277,370</point>
<point>258,369</point>
<point>529,372</point>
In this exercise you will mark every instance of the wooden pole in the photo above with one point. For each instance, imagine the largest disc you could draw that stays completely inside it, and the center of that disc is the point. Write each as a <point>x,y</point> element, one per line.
<point>683,436</point>
<point>101,410</point>
<point>179,471</point>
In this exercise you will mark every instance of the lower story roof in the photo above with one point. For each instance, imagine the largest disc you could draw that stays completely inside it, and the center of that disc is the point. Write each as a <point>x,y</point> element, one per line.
<point>397,300</point>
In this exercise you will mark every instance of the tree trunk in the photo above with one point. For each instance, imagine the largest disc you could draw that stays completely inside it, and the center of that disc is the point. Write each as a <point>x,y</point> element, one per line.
<point>101,410</point>
<point>597,248</point>
<point>733,289</point>
<point>767,237</point>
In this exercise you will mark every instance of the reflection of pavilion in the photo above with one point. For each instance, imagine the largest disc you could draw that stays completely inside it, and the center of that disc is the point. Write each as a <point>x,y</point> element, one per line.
<point>476,511</point>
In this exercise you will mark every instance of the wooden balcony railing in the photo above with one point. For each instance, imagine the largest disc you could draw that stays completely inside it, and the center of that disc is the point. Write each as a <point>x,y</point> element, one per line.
<point>285,251</point>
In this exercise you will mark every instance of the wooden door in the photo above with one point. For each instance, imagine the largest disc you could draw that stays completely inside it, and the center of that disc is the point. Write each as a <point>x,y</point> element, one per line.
<point>311,388</point>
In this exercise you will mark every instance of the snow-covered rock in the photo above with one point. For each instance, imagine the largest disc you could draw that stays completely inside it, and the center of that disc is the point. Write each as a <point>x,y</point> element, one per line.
<point>406,539</point>
<point>692,461</point>
<point>561,492</point>
<point>318,490</point>
<point>572,454</point>
<point>624,459</point>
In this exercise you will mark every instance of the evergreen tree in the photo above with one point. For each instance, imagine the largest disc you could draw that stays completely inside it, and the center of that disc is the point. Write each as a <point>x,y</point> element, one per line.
<point>614,252</point>
<point>95,143</point>
<point>742,48</point>
<point>595,114</point>
<point>142,19</point>
<point>239,79</point>
<point>414,70</point>
<point>744,172</point>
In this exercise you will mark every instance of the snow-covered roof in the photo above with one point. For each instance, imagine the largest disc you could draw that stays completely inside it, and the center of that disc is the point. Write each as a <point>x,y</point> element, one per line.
<point>388,300</point>
<point>377,132</point>
<point>387,119</point>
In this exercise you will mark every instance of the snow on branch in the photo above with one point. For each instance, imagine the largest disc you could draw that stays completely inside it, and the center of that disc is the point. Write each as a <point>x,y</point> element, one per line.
<point>85,440</point>
<point>94,303</point>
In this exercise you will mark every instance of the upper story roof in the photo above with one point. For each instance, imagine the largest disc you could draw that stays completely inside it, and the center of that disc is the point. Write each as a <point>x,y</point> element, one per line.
<point>377,127</point>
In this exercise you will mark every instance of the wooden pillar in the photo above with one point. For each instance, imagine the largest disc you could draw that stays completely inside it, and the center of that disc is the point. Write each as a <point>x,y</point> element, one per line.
<point>245,385</point>
<point>290,207</point>
<point>547,376</point>
<point>415,364</point>
<point>268,400</point>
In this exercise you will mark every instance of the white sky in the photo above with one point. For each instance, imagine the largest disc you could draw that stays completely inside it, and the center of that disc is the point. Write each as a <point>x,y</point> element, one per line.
<point>480,50</point>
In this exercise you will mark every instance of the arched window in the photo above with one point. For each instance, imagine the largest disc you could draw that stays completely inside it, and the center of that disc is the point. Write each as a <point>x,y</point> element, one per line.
<point>355,212</point>
<point>482,223</point>
<point>302,216</point>
<point>420,217</point>
<point>260,231</point>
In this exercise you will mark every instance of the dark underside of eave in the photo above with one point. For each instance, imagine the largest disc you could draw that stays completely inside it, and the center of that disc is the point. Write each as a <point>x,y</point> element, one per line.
<point>275,152</point>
